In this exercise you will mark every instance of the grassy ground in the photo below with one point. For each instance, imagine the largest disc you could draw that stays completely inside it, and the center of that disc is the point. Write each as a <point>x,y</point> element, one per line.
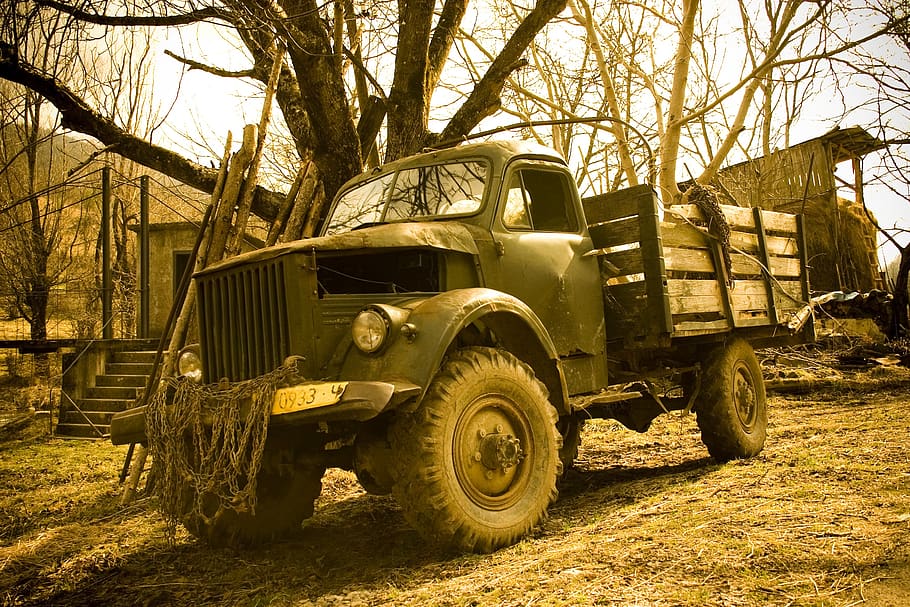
<point>820,517</point>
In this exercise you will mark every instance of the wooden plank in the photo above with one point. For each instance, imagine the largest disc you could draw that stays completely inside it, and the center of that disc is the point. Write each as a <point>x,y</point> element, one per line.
<point>742,302</point>
<point>754,322</point>
<point>694,296</point>
<point>682,235</point>
<point>688,236</point>
<point>627,262</point>
<point>698,260</point>
<point>683,287</point>
<point>763,254</point>
<point>696,304</point>
<point>615,205</point>
<point>687,328</point>
<point>803,256</point>
<point>780,266</point>
<point>658,320</point>
<point>615,233</point>
<point>740,217</point>
<point>788,295</point>
<point>628,296</point>
<point>777,245</point>
<point>688,260</point>
<point>700,296</point>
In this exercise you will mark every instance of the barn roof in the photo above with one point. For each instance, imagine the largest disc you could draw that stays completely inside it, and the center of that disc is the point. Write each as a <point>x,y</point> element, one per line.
<point>851,142</point>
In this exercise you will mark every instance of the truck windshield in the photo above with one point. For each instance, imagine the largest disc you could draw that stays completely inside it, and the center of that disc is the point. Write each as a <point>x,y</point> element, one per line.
<point>439,190</point>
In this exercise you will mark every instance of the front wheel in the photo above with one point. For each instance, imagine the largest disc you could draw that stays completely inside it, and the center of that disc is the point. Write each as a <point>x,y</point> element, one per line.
<point>479,458</point>
<point>733,410</point>
<point>283,500</point>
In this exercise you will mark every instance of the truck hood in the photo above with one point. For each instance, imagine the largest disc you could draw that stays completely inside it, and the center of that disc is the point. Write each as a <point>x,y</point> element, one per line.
<point>447,236</point>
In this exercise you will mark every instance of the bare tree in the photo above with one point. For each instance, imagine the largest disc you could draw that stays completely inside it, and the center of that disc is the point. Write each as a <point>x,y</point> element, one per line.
<point>318,109</point>
<point>33,256</point>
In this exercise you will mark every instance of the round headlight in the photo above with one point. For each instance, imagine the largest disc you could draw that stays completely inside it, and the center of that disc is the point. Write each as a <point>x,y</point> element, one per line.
<point>189,365</point>
<point>369,330</point>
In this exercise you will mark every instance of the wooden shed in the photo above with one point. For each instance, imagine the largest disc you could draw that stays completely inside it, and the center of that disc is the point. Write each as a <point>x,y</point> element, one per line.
<point>840,232</point>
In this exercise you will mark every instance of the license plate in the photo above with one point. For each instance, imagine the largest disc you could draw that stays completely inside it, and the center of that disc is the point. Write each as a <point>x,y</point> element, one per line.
<point>307,396</point>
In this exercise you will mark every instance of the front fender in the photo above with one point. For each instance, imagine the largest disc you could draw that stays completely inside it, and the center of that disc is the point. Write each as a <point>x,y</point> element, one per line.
<point>434,324</point>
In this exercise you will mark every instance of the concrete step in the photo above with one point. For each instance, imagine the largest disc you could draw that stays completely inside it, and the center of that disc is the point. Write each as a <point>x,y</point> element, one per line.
<point>81,431</point>
<point>73,417</point>
<point>126,374</point>
<point>109,405</point>
<point>134,356</point>
<point>121,381</point>
<point>112,392</point>
<point>128,368</point>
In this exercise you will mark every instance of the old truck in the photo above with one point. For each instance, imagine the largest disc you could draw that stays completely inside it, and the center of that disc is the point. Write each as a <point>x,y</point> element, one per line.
<point>461,315</point>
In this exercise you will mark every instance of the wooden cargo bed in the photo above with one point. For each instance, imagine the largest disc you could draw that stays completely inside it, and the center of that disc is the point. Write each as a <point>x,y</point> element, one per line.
<point>666,279</point>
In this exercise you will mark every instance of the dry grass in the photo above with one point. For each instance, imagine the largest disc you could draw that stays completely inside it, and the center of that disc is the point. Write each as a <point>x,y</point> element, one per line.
<point>821,517</point>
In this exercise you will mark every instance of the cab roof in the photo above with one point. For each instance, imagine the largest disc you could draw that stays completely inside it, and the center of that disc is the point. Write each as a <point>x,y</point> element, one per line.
<point>498,152</point>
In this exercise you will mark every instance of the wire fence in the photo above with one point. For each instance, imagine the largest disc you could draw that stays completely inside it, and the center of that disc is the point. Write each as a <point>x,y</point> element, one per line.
<point>73,305</point>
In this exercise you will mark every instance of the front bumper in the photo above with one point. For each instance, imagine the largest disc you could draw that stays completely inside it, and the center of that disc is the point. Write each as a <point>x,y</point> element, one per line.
<point>359,401</point>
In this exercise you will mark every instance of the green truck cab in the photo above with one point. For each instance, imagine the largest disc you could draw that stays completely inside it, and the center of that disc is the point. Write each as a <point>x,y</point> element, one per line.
<point>459,317</point>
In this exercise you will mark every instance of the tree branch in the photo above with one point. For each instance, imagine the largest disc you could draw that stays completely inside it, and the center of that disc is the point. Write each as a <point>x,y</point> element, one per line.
<point>78,116</point>
<point>484,99</point>
<point>131,20</point>
<point>447,27</point>
<point>196,65</point>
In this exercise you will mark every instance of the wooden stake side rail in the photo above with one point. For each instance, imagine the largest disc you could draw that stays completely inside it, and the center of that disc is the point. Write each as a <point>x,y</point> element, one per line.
<point>677,269</point>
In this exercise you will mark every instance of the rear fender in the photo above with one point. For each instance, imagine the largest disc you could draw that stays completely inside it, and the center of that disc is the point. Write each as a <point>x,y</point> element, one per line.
<point>414,355</point>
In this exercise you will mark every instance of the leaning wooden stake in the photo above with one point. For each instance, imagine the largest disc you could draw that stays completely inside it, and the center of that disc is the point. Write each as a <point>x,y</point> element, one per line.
<point>136,458</point>
<point>245,202</point>
<point>238,192</point>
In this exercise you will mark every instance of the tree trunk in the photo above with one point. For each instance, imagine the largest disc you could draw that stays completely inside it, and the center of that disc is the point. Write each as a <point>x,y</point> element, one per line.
<point>669,149</point>
<point>900,325</point>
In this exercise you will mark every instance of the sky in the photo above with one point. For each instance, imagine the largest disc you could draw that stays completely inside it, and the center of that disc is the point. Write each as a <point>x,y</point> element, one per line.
<point>211,106</point>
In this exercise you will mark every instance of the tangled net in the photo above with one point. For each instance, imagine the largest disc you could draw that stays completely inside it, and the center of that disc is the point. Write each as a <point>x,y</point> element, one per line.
<point>207,444</point>
<point>706,199</point>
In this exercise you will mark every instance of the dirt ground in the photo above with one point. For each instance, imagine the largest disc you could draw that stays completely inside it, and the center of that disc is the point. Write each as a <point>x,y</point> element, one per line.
<point>820,517</point>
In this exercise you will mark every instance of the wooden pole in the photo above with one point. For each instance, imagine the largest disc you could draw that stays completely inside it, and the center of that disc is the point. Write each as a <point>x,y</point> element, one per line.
<point>107,289</point>
<point>145,279</point>
<point>245,201</point>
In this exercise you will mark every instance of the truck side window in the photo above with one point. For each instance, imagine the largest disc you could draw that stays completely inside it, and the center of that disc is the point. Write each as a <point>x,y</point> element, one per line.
<point>516,214</point>
<point>539,200</point>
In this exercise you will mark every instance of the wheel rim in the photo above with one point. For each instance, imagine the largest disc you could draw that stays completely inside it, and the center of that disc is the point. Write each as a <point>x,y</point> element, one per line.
<point>493,452</point>
<point>744,398</point>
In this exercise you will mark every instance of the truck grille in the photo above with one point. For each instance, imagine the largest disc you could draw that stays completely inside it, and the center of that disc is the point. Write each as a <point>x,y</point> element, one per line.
<point>243,321</point>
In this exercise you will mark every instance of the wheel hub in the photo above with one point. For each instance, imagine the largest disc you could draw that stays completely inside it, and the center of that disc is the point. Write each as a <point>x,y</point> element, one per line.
<point>744,397</point>
<point>492,445</point>
<point>500,451</point>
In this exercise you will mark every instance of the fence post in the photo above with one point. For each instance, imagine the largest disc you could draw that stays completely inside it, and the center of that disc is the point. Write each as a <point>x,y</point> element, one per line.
<point>144,312</point>
<point>107,290</point>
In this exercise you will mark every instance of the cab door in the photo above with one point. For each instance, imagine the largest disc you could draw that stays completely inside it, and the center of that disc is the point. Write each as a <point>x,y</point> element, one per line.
<point>541,245</point>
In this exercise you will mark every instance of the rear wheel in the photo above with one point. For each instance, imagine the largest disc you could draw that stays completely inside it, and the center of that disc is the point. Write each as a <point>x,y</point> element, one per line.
<point>479,458</point>
<point>732,412</point>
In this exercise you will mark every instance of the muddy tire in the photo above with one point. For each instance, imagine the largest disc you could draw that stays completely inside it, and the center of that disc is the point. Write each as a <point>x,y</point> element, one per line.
<point>283,501</point>
<point>479,458</point>
<point>732,412</point>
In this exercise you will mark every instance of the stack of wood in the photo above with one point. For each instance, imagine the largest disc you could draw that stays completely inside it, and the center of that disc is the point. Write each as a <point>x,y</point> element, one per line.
<point>223,232</point>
